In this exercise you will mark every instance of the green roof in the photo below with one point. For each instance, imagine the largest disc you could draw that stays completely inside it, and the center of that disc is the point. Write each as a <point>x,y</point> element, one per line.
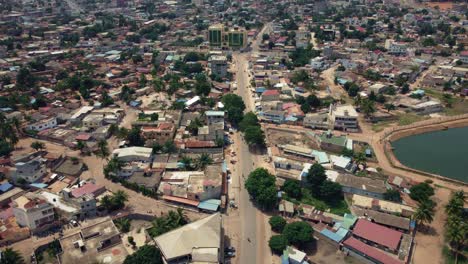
<point>339,141</point>
<point>348,221</point>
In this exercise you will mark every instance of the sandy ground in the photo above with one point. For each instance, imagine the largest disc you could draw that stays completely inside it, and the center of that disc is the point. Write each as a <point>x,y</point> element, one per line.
<point>430,241</point>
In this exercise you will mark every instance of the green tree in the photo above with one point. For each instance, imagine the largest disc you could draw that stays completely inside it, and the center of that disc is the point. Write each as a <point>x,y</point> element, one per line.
<point>147,254</point>
<point>123,224</point>
<point>298,233</point>
<point>194,125</point>
<point>103,149</point>
<point>278,243</point>
<point>250,119</point>
<point>134,137</point>
<point>315,178</point>
<point>81,146</point>
<point>368,107</point>
<point>187,162</point>
<point>389,107</point>
<point>25,80</point>
<point>113,167</point>
<point>254,135</point>
<point>166,223</point>
<point>456,229</point>
<point>37,145</point>
<point>421,192</point>
<point>234,106</point>
<point>203,160</point>
<point>277,223</point>
<point>10,256</point>
<point>392,195</point>
<point>424,213</point>
<point>261,187</point>
<point>293,188</point>
<point>330,191</point>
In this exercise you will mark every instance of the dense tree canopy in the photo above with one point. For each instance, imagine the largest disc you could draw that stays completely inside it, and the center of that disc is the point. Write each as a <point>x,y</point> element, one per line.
<point>261,186</point>
<point>234,106</point>
<point>277,223</point>
<point>421,192</point>
<point>293,188</point>
<point>298,233</point>
<point>278,243</point>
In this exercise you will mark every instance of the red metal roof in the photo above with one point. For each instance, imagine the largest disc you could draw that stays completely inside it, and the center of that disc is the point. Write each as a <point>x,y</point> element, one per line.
<point>271,92</point>
<point>376,233</point>
<point>370,251</point>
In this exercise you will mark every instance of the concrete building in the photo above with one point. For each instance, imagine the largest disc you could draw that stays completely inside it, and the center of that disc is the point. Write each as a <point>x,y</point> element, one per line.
<point>160,134</point>
<point>97,243</point>
<point>343,117</point>
<point>214,117</point>
<point>395,48</point>
<point>219,65</point>
<point>363,186</point>
<point>199,242</point>
<point>130,154</point>
<point>93,121</point>
<point>43,124</point>
<point>32,211</point>
<point>30,169</point>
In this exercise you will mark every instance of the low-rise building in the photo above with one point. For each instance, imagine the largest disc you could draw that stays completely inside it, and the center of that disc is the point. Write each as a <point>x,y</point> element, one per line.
<point>214,117</point>
<point>140,154</point>
<point>43,124</point>
<point>201,241</point>
<point>99,242</point>
<point>362,185</point>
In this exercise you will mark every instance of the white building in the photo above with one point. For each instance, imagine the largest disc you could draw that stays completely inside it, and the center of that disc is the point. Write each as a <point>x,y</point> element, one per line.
<point>343,117</point>
<point>32,212</point>
<point>317,63</point>
<point>396,48</point>
<point>131,154</point>
<point>43,124</point>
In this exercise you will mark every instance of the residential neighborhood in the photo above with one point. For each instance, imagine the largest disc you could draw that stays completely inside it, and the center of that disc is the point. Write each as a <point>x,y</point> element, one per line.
<point>141,131</point>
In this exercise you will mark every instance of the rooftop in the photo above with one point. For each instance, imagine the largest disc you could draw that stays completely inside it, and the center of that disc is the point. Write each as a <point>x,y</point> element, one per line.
<point>204,233</point>
<point>369,251</point>
<point>378,234</point>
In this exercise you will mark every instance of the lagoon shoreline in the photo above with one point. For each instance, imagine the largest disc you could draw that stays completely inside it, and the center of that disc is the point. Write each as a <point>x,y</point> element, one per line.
<point>416,129</point>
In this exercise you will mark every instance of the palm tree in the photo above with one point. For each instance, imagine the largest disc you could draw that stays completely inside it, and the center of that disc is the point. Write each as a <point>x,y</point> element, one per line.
<point>456,234</point>
<point>203,160</point>
<point>424,213</point>
<point>123,224</point>
<point>389,107</point>
<point>455,205</point>
<point>187,161</point>
<point>103,150</point>
<point>194,125</point>
<point>113,166</point>
<point>10,256</point>
<point>360,158</point>
<point>120,197</point>
<point>106,202</point>
<point>81,146</point>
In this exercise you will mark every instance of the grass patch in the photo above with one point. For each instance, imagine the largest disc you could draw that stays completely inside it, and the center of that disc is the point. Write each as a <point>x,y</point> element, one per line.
<point>409,118</point>
<point>339,207</point>
<point>460,106</point>
<point>450,257</point>
<point>379,126</point>
<point>433,93</point>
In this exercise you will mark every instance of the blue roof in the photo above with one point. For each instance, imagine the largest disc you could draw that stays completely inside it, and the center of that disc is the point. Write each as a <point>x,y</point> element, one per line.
<point>224,166</point>
<point>320,156</point>
<point>291,118</point>
<point>210,205</point>
<point>5,187</point>
<point>337,237</point>
<point>39,185</point>
<point>135,103</point>
<point>260,89</point>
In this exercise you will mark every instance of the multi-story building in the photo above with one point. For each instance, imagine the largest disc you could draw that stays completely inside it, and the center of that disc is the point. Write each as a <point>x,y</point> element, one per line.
<point>343,117</point>
<point>223,37</point>
<point>160,134</point>
<point>33,212</point>
<point>214,117</point>
<point>29,169</point>
<point>219,65</point>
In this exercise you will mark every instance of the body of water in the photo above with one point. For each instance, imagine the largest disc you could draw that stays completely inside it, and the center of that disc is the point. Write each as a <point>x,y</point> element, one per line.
<point>441,152</point>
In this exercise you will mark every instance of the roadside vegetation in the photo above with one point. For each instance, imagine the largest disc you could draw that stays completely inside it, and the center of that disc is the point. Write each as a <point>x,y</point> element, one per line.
<point>297,233</point>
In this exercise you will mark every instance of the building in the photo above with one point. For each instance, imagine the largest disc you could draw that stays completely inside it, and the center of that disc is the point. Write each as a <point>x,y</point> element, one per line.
<point>43,124</point>
<point>214,117</point>
<point>274,116</point>
<point>32,211</point>
<point>294,256</point>
<point>343,117</point>
<point>270,95</point>
<point>377,88</point>
<point>93,121</point>
<point>70,207</point>
<point>97,243</point>
<point>318,63</point>
<point>382,205</point>
<point>219,65</point>
<point>198,242</point>
<point>29,169</point>
<point>316,121</point>
<point>160,134</point>
<point>361,185</point>
<point>366,253</point>
<point>383,237</point>
<point>223,37</point>
<point>130,154</point>
<point>396,48</point>
<point>464,56</point>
